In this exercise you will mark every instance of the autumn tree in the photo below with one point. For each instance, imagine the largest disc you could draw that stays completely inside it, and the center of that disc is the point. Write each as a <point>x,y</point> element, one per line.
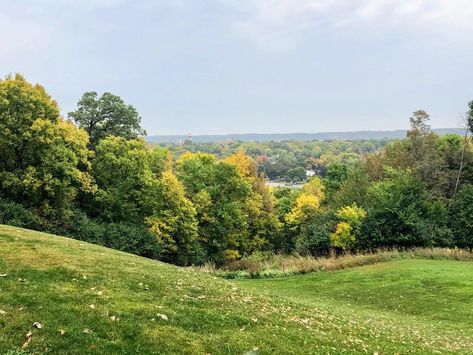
<point>219,193</point>
<point>44,159</point>
<point>107,115</point>
<point>263,223</point>
<point>348,228</point>
<point>174,223</point>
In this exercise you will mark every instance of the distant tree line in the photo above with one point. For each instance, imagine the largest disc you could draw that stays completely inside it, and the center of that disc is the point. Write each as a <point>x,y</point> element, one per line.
<point>287,160</point>
<point>92,177</point>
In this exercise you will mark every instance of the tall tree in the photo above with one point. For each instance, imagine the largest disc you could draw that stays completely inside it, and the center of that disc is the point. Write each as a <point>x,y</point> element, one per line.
<point>107,115</point>
<point>470,116</point>
<point>174,222</point>
<point>128,185</point>
<point>219,194</point>
<point>44,159</point>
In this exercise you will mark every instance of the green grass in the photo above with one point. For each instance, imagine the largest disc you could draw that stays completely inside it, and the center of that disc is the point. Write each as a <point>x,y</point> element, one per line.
<point>402,306</point>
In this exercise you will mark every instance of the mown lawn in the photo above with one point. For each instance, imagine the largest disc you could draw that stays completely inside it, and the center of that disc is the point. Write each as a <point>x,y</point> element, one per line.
<point>90,299</point>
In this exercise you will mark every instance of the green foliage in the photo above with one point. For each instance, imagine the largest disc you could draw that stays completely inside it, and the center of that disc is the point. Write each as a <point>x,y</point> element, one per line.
<point>461,217</point>
<point>15,214</point>
<point>276,158</point>
<point>218,192</point>
<point>105,116</point>
<point>314,239</point>
<point>400,213</point>
<point>296,174</point>
<point>354,189</point>
<point>174,223</point>
<point>212,203</point>
<point>128,188</point>
<point>44,161</point>
<point>336,175</point>
<point>131,238</point>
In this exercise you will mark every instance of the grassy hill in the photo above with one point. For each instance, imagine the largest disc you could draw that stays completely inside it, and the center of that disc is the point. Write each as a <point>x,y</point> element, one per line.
<point>90,299</point>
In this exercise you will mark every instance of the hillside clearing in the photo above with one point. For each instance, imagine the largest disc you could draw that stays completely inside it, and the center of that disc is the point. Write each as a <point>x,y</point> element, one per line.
<point>96,300</point>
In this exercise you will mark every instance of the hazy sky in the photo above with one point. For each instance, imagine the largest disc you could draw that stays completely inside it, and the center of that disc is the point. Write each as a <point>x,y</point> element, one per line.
<point>236,66</point>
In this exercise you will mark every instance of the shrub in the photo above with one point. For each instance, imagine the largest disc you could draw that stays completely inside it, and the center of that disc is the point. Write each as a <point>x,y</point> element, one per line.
<point>15,214</point>
<point>132,239</point>
<point>315,239</point>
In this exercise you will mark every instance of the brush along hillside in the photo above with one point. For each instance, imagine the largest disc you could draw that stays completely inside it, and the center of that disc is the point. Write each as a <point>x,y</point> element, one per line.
<point>59,295</point>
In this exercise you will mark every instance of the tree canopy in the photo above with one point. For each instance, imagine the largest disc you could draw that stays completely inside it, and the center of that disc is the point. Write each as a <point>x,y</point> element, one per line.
<point>107,115</point>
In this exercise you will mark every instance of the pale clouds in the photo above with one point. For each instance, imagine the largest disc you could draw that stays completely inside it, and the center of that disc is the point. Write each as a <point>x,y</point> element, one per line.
<point>287,20</point>
<point>22,36</point>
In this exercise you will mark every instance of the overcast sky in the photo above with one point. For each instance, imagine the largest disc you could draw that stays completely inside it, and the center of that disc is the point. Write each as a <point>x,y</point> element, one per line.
<point>236,66</point>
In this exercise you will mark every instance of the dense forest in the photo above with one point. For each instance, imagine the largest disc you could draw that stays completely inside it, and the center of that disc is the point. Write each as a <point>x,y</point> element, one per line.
<point>92,177</point>
<point>287,160</point>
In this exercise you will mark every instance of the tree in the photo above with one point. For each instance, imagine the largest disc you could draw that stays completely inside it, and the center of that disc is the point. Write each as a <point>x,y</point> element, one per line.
<point>296,174</point>
<point>461,217</point>
<point>420,123</point>
<point>470,116</point>
<point>44,159</point>
<point>400,213</point>
<point>174,223</point>
<point>107,115</point>
<point>315,187</point>
<point>263,223</point>
<point>129,188</point>
<point>347,230</point>
<point>422,147</point>
<point>219,194</point>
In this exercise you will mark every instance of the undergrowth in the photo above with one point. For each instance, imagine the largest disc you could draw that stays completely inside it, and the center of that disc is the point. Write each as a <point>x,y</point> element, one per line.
<point>261,266</point>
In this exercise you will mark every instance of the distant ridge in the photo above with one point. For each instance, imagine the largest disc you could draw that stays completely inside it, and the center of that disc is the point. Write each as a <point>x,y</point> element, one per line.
<point>263,137</point>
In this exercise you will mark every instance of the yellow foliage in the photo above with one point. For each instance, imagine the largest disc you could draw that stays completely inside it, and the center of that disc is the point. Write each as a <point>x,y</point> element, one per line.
<point>191,156</point>
<point>306,207</point>
<point>315,187</point>
<point>243,163</point>
<point>231,255</point>
<point>343,237</point>
<point>352,214</point>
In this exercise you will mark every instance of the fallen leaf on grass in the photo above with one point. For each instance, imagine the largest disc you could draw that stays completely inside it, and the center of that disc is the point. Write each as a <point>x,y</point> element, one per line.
<point>29,335</point>
<point>86,331</point>
<point>61,332</point>
<point>162,316</point>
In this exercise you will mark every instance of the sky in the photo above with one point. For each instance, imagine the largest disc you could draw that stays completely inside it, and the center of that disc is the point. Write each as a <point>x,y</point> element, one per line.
<point>250,66</point>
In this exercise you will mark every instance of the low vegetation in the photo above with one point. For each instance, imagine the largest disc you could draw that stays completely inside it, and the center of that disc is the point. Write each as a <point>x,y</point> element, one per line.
<point>60,295</point>
<point>262,266</point>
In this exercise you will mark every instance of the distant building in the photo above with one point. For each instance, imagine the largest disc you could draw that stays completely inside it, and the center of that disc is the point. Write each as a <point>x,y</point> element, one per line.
<point>309,173</point>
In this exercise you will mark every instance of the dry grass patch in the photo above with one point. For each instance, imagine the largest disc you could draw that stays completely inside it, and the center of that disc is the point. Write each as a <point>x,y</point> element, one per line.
<point>285,265</point>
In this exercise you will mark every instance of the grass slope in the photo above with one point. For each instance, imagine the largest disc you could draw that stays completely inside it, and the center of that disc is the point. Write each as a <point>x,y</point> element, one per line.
<point>106,301</point>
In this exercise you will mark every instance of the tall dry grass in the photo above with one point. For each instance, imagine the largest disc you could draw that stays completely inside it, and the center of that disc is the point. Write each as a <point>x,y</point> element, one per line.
<point>284,265</point>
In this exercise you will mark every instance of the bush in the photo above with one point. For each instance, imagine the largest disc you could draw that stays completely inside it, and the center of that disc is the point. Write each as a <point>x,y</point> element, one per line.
<point>132,239</point>
<point>14,214</point>
<point>86,229</point>
<point>126,237</point>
